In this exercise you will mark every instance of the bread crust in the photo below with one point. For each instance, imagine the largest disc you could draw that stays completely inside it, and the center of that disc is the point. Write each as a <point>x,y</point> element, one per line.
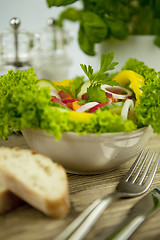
<point>57,207</point>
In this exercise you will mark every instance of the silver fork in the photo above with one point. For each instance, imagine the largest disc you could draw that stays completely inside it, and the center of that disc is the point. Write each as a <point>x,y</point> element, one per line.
<point>136,182</point>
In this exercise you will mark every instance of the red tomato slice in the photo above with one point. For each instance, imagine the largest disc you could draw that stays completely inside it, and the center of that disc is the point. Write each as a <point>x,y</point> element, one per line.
<point>64,95</point>
<point>56,100</point>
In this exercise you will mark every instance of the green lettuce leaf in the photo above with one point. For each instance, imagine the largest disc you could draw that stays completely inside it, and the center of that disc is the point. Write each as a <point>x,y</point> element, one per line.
<point>103,122</point>
<point>23,105</point>
<point>148,111</point>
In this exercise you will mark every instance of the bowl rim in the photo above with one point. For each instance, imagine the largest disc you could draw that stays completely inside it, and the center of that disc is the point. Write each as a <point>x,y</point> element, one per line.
<point>89,135</point>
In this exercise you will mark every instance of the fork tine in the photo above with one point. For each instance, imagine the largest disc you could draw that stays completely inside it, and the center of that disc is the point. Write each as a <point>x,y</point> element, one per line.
<point>141,179</point>
<point>152,172</point>
<point>134,178</point>
<point>133,167</point>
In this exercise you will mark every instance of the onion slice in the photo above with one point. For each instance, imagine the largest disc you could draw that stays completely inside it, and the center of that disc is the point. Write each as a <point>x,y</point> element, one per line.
<point>86,106</point>
<point>53,93</point>
<point>108,89</point>
<point>128,105</point>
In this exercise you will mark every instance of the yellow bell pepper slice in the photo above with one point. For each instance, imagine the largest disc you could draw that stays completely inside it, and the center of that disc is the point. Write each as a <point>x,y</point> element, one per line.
<point>136,81</point>
<point>64,82</point>
<point>81,116</point>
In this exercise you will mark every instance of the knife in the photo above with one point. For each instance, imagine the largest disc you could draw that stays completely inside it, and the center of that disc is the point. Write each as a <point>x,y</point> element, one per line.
<point>146,207</point>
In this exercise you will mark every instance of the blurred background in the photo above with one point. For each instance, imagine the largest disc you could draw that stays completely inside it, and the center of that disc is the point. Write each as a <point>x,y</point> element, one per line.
<point>34,16</point>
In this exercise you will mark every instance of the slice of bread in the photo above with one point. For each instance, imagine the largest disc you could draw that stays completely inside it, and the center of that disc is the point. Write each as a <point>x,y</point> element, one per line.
<point>36,179</point>
<point>8,200</point>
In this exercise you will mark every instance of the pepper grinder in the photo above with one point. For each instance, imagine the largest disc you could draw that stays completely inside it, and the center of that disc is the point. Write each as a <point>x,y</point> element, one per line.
<point>15,47</point>
<point>15,23</point>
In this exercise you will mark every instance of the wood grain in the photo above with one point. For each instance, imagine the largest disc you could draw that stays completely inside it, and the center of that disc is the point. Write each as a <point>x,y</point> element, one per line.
<point>26,223</point>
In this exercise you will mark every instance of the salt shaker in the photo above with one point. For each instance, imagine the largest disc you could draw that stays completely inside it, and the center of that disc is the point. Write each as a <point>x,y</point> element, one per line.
<point>50,58</point>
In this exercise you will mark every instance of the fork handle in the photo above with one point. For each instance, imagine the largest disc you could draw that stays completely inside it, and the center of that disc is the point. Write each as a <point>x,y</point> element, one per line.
<point>79,228</point>
<point>125,230</point>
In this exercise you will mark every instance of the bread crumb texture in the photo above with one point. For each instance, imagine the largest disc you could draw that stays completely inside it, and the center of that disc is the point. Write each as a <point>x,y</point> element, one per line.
<point>27,172</point>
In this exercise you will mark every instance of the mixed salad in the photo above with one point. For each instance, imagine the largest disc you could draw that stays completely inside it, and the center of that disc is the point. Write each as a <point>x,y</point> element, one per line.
<point>117,99</point>
<point>104,102</point>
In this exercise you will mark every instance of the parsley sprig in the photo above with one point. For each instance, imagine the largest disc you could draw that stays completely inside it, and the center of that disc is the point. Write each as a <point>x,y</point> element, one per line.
<point>94,93</point>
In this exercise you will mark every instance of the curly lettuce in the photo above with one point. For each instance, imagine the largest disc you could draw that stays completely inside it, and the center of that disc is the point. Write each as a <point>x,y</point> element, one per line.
<point>148,111</point>
<point>99,122</point>
<point>23,106</point>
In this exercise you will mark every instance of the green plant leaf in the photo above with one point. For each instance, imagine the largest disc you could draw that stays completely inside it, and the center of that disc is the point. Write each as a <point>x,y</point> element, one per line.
<point>59,3</point>
<point>156,26</point>
<point>103,19</point>
<point>157,41</point>
<point>94,27</point>
<point>118,28</point>
<point>106,62</point>
<point>144,21</point>
<point>71,14</point>
<point>74,87</point>
<point>94,93</point>
<point>66,89</point>
<point>84,42</point>
<point>88,71</point>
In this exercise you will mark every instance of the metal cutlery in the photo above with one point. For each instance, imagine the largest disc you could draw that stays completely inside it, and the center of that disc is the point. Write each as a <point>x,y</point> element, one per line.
<point>144,208</point>
<point>136,182</point>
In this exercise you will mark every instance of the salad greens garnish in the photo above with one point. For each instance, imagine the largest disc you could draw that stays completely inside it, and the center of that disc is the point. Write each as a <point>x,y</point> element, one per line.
<point>94,93</point>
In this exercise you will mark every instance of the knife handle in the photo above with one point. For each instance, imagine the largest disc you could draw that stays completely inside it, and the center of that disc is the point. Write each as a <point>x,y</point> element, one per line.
<point>125,230</point>
<point>79,228</point>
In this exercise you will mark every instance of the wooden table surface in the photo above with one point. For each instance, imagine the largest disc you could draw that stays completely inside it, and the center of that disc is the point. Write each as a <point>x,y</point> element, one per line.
<point>27,223</point>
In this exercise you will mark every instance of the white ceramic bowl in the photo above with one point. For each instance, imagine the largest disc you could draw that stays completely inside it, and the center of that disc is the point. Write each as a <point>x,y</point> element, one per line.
<point>90,153</point>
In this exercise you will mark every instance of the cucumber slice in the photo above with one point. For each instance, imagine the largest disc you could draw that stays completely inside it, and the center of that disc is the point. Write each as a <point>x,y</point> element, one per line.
<point>114,107</point>
<point>46,83</point>
<point>84,89</point>
<point>116,110</point>
<point>60,109</point>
